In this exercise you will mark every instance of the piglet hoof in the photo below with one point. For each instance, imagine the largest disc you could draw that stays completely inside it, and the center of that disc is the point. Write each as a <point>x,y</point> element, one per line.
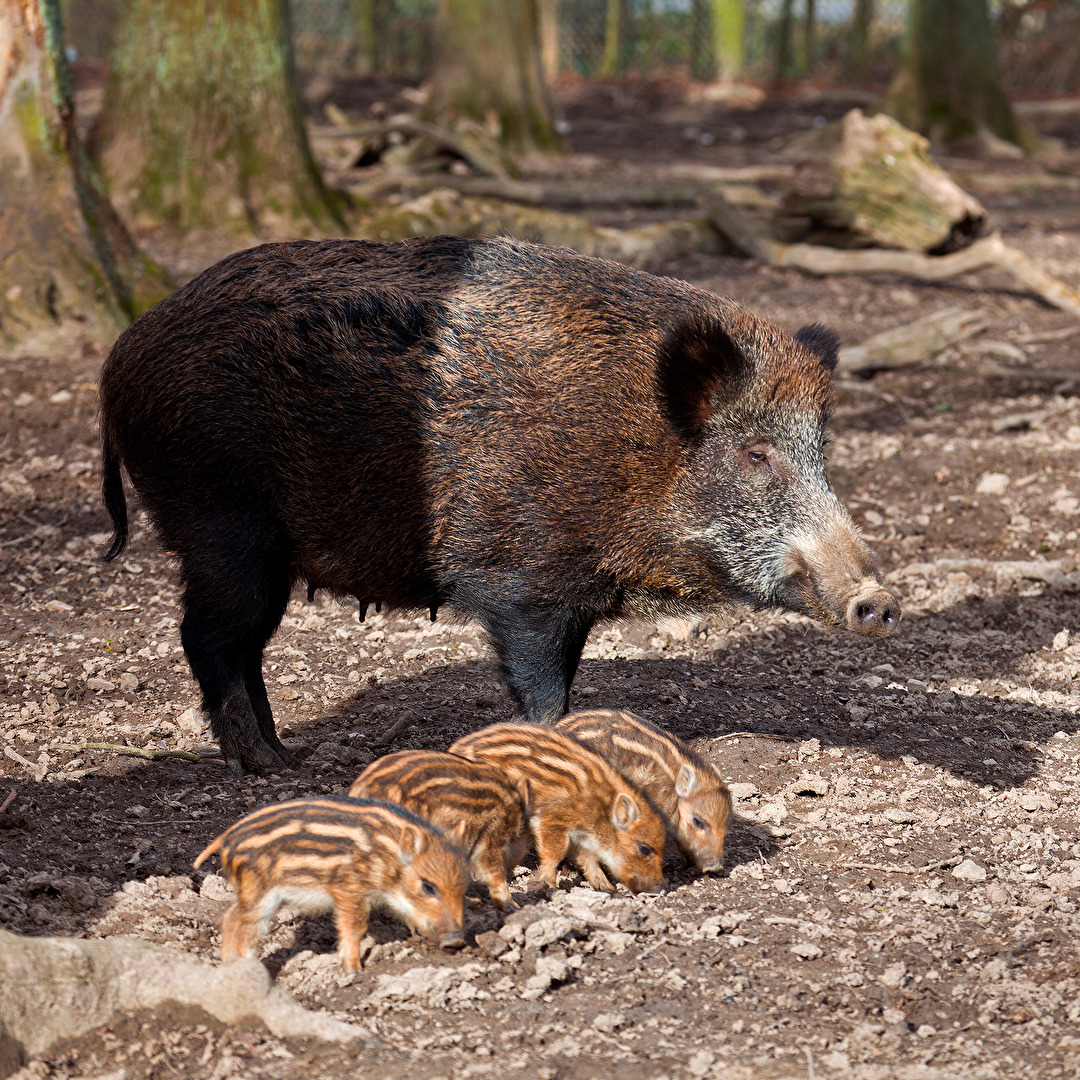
<point>452,941</point>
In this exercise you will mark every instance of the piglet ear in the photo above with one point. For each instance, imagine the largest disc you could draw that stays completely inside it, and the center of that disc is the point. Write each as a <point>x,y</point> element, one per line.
<point>823,341</point>
<point>696,363</point>
<point>457,833</point>
<point>413,842</point>
<point>685,782</point>
<point>624,812</point>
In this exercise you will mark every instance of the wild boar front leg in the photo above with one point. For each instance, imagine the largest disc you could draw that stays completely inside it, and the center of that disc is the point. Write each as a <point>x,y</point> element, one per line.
<point>552,844</point>
<point>351,918</point>
<point>538,653</point>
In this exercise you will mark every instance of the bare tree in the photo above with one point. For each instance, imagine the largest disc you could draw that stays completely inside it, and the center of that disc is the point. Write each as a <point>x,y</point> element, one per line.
<point>202,124</point>
<point>729,37</point>
<point>947,85</point>
<point>64,253</point>
<point>487,69</point>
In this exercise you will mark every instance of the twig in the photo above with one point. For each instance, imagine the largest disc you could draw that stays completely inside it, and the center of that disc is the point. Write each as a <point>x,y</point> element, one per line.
<point>8,801</point>
<point>753,735</point>
<point>395,728</point>
<point>164,821</point>
<point>952,860</point>
<point>33,766</point>
<point>138,751</point>
<point>1047,335</point>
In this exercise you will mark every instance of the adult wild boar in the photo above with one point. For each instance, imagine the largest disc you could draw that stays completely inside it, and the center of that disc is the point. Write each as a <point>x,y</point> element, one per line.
<point>537,439</point>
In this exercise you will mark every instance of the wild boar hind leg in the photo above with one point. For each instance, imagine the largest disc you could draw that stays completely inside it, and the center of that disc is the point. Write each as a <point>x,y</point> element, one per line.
<point>236,588</point>
<point>538,653</point>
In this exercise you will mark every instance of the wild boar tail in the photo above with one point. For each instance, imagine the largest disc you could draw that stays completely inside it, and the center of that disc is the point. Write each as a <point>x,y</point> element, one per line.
<point>112,490</point>
<point>214,846</point>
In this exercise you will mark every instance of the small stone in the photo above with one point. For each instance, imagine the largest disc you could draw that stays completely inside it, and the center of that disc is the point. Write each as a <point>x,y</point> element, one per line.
<point>969,870</point>
<point>997,894</point>
<point>858,713</point>
<point>215,887</point>
<point>98,684</point>
<point>129,682</point>
<point>894,975</point>
<point>810,784</point>
<point>492,943</point>
<point>137,811</point>
<point>893,1017</point>
<point>900,817</point>
<point>872,682</point>
<point>61,397</point>
<point>1059,644</point>
<point>608,1022</point>
<point>992,483</point>
<point>546,931</point>
<point>924,1031</point>
<point>191,722</point>
<point>60,606</point>
<point>783,886</point>
<point>740,792</point>
<point>807,950</point>
<point>701,1063</point>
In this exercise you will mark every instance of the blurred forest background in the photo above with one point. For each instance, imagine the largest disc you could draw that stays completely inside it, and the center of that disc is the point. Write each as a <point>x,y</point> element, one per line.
<point>145,138</point>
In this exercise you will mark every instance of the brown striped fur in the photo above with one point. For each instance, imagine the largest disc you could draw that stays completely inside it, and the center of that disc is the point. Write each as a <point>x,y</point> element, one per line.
<point>349,855</point>
<point>684,788</point>
<point>579,807</point>
<point>451,792</point>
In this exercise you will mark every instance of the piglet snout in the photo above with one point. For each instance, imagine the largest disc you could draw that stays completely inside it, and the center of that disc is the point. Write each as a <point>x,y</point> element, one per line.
<point>873,612</point>
<point>455,940</point>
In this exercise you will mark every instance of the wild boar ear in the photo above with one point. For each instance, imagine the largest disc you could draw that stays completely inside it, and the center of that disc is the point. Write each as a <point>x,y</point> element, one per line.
<point>413,842</point>
<point>823,341</point>
<point>625,812</point>
<point>457,833</point>
<point>686,781</point>
<point>697,361</point>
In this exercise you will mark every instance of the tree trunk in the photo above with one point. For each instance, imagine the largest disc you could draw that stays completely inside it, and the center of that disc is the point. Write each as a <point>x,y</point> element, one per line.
<point>729,35</point>
<point>809,37</point>
<point>859,39</point>
<point>701,63</point>
<point>64,254</point>
<point>549,37</point>
<point>202,124</point>
<point>365,25</point>
<point>947,85</point>
<point>783,41</point>
<point>487,69</point>
<point>609,65</point>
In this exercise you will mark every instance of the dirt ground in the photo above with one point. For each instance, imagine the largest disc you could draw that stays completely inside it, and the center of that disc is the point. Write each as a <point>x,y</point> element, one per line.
<point>904,868</point>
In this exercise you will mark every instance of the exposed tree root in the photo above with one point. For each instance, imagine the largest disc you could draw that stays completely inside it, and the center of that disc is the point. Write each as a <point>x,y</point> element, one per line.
<point>912,343</point>
<point>991,251</point>
<point>56,988</point>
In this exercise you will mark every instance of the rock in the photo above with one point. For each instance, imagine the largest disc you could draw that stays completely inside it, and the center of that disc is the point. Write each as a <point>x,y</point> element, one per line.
<point>858,713</point>
<point>900,817</point>
<point>969,870</point>
<point>492,943</point>
<point>418,982</point>
<point>807,950</point>
<point>98,684</point>
<point>191,722</point>
<point>608,1022</point>
<point>512,932</point>
<point>129,682</point>
<point>1059,644</point>
<point>547,930</point>
<point>701,1063</point>
<point>992,483</point>
<point>58,606</point>
<point>740,792</point>
<point>925,1031</point>
<point>1032,802</point>
<point>998,894</point>
<point>810,784</point>
<point>782,885</point>
<point>894,975</point>
<point>893,1017</point>
<point>215,887</point>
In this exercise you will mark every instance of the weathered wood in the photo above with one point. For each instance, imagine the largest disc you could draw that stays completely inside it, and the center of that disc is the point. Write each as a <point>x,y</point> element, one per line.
<point>913,343</point>
<point>750,239</point>
<point>872,179</point>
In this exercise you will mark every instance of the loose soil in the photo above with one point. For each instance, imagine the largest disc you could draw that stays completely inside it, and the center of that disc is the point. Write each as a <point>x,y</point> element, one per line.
<point>903,871</point>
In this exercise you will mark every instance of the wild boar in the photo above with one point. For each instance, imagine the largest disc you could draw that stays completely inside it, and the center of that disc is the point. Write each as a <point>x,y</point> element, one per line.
<point>538,439</point>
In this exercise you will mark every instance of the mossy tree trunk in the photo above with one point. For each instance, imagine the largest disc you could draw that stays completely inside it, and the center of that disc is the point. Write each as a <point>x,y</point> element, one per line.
<point>729,37</point>
<point>202,125</point>
<point>487,69</point>
<point>64,253</point>
<point>947,85</point>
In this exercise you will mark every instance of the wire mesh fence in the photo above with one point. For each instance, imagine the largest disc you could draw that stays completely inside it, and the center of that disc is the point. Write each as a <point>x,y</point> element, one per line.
<point>793,39</point>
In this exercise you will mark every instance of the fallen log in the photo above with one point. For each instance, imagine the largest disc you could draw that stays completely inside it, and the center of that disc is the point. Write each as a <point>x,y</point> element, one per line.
<point>991,251</point>
<point>60,988</point>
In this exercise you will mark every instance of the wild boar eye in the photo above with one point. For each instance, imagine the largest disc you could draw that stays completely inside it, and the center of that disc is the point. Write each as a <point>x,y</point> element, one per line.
<point>429,888</point>
<point>759,457</point>
<point>699,824</point>
<point>645,850</point>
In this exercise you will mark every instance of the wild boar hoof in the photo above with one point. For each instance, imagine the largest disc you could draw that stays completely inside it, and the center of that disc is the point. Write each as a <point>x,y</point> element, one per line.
<point>873,614</point>
<point>258,758</point>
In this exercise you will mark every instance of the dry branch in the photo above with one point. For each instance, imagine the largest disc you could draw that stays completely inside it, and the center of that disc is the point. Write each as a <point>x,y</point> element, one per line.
<point>991,251</point>
<point>912,343</point>
<point>57,988</point>
<point>138,751</point>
